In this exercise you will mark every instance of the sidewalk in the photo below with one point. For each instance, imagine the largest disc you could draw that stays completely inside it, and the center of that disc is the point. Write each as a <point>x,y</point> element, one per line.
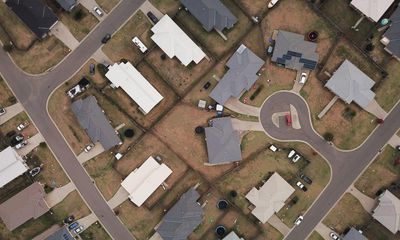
<point>33,142</point>
<point>242,125</point>
<point>62,32</point>
<point>279,225</point>
<point>58,194</point>
<point>11,112</point>
<point>85,156</point>
<point>237,106</point>
<point>119,197</point>
<point>367,202</point>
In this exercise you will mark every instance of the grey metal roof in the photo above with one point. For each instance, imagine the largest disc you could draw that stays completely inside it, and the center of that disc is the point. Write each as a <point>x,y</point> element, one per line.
<point>211,14</point>
<point>388,211</point>
<point>393,33</point>
<point>353,234</point>
<point>93,120</point>
<point>61,234</point>
<point>243,67</point>
<point>351,84</point>
<point>35,14</point>
<point>292,51</point>
<point>182,218</point>
<point>67,5</point>
<point>223,142</point>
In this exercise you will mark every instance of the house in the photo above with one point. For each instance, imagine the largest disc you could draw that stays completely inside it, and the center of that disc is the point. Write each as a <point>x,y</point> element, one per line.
<point>145,180</point>
<point>353,234</point>
<point>391,38</point>
<point>27,204</point>
<point>61,234</point>
<point>174,41</point>
<point>67,5</point>
<point>270,198</point>
<point>91,118</point>
<point>212,14</point>
<point>35,14</point>
<point>388,211</point>
<point>232,236</point>
<point>293,52</point>
<point>11,166</point>
<point>182,218</point>
<point>242,74</point>
<point>351,84</point>
<point>126,76</point>
<point>372,9</point>
<point>223,142</point>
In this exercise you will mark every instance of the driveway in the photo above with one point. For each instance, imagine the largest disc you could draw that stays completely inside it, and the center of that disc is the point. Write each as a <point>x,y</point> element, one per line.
<point>62,32</point>
<point>11,112</point>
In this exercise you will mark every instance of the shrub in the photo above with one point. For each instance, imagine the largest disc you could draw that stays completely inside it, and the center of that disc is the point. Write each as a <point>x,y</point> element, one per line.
<point>43,144</point>
<point>256,92</point>
<point>78,15</point>
<point>8,47</point>
<point>12,100</point>
<point>328,136</point>
<point>102,69</point>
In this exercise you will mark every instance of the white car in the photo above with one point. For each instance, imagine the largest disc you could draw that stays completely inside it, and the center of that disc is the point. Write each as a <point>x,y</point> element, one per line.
<point>2,111</point>
<point>303,78</point>
<point>98,11</point>
<point>22,126</point>
<point>272,3</point>
<point>296,158</point>
<point>298,220</point>
<point>291,153</point>
<point>301,186</point>
<point>21,145</point>
<point>89,147</point>
<point>78,229</point>
<point>74,91</point>
<point>273,148</point>
<point>334,236</point>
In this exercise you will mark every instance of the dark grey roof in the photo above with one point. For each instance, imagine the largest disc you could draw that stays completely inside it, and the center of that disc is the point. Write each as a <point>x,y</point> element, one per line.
<point>393,33</point>
<point>182,218</point>
<point>61,234</point>
<point>211,14</point>
<point>353,234</point>
<point>292,51</point>
<point>35,14</point>
<point>351,84</point>
<point>223,142</point>
<point>67,5</point>
<point>242,73</point>
<point>93,120</point>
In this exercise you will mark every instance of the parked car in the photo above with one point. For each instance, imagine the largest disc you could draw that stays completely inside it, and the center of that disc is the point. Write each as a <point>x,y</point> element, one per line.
<point>273,148</point>
<point>298,220</point>
<point>21,145</point>
<point>74,91</point>
<point>306,179</point>
<point>152,17</point>
<point>89,147</point>
<point>272,3</point>
<point>18,138</point>
<point>334,236</point>
<point>22,126</point>
<point>398,148</point>
<point>207,85</point>
<point>11,134</point>
<point>301,186</point>
<point>78,229</point>
<point>92,69</point>
<point>34,171</point>
<point>73,225</point>
<point>303,78</point>
<point>106,38</point>
<point>139,44</point>
<point>288,120</point>
<point>69,219</point>
<point>270,50</point>
<point>98,11</point>
<point>291,153</point>
<point>296,158</point>
<point>2,111</point>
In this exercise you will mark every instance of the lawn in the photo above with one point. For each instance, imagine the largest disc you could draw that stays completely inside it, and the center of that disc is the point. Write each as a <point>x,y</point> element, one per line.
<point>169,7</point>
<point>121,46</point>
<point>15,121</point>
<point>380,174</point>
<point>95,232</point>
<point>107,5</point>
<point>387,93</point>
<point>315,236</point>
<point>6,96</point>
<point>348,212</point>
<point>212,41</point>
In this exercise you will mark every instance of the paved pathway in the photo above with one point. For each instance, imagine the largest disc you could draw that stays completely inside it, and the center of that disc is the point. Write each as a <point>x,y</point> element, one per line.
<point>368,203</point>
<point>375,109</point>
<point>242,125</point>
<point>148,7</point>
<point>87,221</point>
<point>279,225</point>
<point>101,57</point>
<point>11,112</point>
<point>119,197</point>
<point>327,107</point>
<point>323,230</point>
<point>33,142</point>
<point>394,141</point>
<point>237,106</point>
<point>62,32</point>
<point>85,156</point>
<point>58,194</point>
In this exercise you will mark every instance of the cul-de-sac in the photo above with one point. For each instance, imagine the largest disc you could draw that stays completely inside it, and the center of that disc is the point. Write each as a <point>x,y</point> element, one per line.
<point>199,119</point>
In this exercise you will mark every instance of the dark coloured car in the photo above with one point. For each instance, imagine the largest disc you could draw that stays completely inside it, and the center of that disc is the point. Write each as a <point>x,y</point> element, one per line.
<point>2,111</point>
<point>92,69</point>
<point>73,225</point>
<point>207,85</point>
<point>306,179</point>
<point>11,134</point>
<point>106,38</point>
<point>84,83</point>
<point>152,17</point>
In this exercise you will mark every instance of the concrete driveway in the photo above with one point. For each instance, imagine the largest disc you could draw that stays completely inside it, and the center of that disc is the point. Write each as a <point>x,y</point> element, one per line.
<point>11,112</point>
<point>62,32</point>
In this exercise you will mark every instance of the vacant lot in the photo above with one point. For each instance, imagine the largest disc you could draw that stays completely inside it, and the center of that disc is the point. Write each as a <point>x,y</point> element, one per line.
<point>380,174</point>
<point>387,92</point>
<point>12,124</point>
<point>121,46</point>
<point>95,232</point>
<point>212,40</point>
<point>176,130</point>
<point>169,7</point>
<point>6,96</point>
<point>125,102</point>
<point>347,212</point>
<point>107,5</point>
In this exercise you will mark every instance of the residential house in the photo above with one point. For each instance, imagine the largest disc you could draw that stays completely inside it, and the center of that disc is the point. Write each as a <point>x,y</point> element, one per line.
<point>232,236</point>
<point>61,234</point>
<point>388,211</point>
<point>67,5</point>
<point>391,38</point>
<point>372,9</point>
<point>11,166</point>
<point>353,234</point>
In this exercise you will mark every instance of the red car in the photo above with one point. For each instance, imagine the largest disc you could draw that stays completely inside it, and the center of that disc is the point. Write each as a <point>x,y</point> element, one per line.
<point>289,120</point>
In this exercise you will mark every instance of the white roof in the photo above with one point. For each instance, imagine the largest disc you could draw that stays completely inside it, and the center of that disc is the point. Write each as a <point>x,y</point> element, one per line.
<point>11,166</point>
<point>270,198</point>
<point>174,42</point>
<point>373,9</point>
<point>143,181</point>
<point>388,211</point>
<point>232,236</point>
<point>126,76</point>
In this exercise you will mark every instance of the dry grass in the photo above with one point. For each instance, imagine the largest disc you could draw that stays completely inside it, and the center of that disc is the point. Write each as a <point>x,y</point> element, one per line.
<point>107,5</point>
<point>315,236</point>
<point>71,205</point>
<point>95,232</point>
<point>387,94</point>
<point>5,95</point>
<point>13,123</point>
<point>169,7</point>
<point>254,7</point>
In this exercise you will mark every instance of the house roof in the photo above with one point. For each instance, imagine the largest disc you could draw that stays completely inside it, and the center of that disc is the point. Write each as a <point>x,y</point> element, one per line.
<point>174,41</point>
<point>27,204</point>
<point>35,14</point>
<point>388,211</point>
<point>211,14</point>
<point>393,33</point>
<point>270,198</point>
<point>61,234</point>
<point>182,218</point>
<point>353,234</point>
<point>223,142</point>
<point>11,166</point>
<point>292,51</point>
<point>67,5</point>
<point>232,236</point>
<point>127,77</point>
<point>143,181</point>
<point>92,119</point>
<point>351,84</point>
<point>373,9</point>
<point>243,67</point>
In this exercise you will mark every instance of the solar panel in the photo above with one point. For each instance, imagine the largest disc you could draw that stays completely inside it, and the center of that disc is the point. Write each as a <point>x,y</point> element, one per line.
<point>287,57</point>
<point>309,66</point>
<point>294,54</point>
<point>280,61</point>
<point>306,61</point>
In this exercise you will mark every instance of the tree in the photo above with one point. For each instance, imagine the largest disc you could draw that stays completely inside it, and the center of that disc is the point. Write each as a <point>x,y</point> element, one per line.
<point>328,137</point>
<point>78,15</point>
<point>8,47</point>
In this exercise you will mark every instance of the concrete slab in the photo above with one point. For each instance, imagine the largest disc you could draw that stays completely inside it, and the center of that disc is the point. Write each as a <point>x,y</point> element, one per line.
<point>85,156</point>
<point>375,109</point>
<point>89,5</point>
<point>33,142</point>
<point>327,107</point>
<point>119,197</point>
<point>237,106</point>
<point>148,7</point>
<point>101,57</point>
<point>394,141</point>
<point>62,32</point>
<point>242,125</point>
<point>324,231</point>
<point>87,221</point>
<point>11,112</point>
<point>279,225</point>
<point>368,203</point>
<point>295,118</point>
<point>276,116</point>
<point>58,194</point>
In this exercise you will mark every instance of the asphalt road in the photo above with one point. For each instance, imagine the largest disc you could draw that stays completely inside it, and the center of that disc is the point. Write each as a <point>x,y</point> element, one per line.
<point>346,166</point>
<point>33,92</point>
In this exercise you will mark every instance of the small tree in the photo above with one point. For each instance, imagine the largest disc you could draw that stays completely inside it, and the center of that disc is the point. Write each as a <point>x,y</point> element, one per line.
<point>328,137</point>
<point>42,144</point>
<point>8,47</point>
<point>79,14</point>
